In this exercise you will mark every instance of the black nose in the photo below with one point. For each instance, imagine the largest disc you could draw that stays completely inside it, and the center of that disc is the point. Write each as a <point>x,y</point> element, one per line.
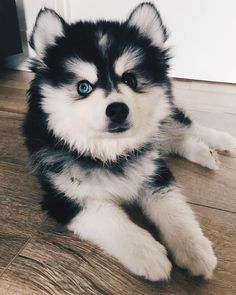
<point>117,112</point>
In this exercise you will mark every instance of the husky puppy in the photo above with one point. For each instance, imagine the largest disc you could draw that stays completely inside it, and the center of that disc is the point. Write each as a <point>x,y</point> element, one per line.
<point>101,117</point>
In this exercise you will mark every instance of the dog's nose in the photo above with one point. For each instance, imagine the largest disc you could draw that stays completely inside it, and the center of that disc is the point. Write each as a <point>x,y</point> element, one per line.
<point>117,112</point>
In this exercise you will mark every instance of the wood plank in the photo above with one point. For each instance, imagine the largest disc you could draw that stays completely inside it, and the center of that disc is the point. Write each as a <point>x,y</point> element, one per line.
<point>12,99</point>
<point>15,79</point>
<point>219,121</point>
<point>17,183</point>
<point>204,86</point>
<point>206,101</point>
<point>20,210</point>
<point>213,87</point>
<point>56,262</point>
<point>216,189</point>
<point>13,85</point>
<point>11,144</point>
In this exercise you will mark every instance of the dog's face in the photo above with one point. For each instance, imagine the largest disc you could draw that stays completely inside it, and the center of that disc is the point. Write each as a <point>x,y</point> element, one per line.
<point>104,84</point>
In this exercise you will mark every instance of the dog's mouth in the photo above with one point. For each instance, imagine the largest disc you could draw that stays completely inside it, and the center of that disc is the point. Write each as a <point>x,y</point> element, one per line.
<point>115,128</point>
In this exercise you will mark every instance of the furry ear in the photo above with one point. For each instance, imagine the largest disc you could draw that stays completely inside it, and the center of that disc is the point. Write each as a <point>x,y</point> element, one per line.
<point>48,26</point>
<point>146,18</point>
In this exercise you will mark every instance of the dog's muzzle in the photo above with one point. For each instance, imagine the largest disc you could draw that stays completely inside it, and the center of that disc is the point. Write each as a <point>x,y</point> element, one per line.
<point>117,112</point>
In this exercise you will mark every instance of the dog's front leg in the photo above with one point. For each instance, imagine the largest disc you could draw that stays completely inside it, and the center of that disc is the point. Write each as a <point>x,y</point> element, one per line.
<point>180,231</point>
<point>215,139</point>
<point>200,144</point>
<point>107,225</point>
<point>185,137</point>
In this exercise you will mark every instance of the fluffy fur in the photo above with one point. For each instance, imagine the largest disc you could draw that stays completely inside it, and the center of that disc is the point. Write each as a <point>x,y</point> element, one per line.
<point>91,162</point>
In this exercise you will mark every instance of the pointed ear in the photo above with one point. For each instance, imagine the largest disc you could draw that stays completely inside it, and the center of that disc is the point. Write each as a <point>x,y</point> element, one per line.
<point>48,26</point>
<point>146,18</point>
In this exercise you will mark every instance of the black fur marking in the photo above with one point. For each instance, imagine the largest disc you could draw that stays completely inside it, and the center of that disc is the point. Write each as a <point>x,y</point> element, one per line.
<point>116,167</point>
<point>162,177</point>
<point>58,206</point>
<point>181,117</point>
<point>135,213</point>
<point>55,167</point>
<point>80,41</point>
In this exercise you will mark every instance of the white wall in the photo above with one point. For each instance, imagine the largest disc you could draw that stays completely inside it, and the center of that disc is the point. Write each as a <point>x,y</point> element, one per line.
<point>202,31</point>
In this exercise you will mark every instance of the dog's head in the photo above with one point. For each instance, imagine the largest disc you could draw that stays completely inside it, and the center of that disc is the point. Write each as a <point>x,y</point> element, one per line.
<point>103,85</point>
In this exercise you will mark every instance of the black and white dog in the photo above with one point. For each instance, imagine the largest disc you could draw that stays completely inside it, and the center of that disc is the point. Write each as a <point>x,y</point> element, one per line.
<point>101,117</point>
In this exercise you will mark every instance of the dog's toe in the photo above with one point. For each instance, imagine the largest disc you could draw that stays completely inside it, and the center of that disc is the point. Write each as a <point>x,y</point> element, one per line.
<point>199,258</point>
<point>225,143</point>
<point>150,262</point>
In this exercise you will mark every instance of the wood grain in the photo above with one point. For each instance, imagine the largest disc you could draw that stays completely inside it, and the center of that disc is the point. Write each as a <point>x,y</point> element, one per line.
<point>216,189</point>
<point>12,99</point>
<point>20,210</point>
<point>220,121</point>
<point>201,100</point>
<point>11,144</point>
<point>13,86</point>
<point>56,262</point>
<point>15,79</point>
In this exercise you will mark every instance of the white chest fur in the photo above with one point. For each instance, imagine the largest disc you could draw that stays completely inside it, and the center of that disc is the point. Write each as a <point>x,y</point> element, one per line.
<point>81,184</point>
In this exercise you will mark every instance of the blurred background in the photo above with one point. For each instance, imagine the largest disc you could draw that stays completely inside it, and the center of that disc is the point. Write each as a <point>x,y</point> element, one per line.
<point>202,32</point>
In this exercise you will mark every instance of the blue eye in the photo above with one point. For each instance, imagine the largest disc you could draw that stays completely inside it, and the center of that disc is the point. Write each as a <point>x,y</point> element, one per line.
<point>84,88</point>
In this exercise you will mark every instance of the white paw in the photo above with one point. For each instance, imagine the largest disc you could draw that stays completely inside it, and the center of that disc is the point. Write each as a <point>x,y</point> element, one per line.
<point>149,260</point>
<point>198,257</point>
<point>205,157</point>
<point>224,142</point>
<point>212,160</point>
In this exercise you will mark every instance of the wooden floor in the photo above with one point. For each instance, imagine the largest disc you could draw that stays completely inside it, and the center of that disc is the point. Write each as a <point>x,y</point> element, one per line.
<point>39,257</point>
